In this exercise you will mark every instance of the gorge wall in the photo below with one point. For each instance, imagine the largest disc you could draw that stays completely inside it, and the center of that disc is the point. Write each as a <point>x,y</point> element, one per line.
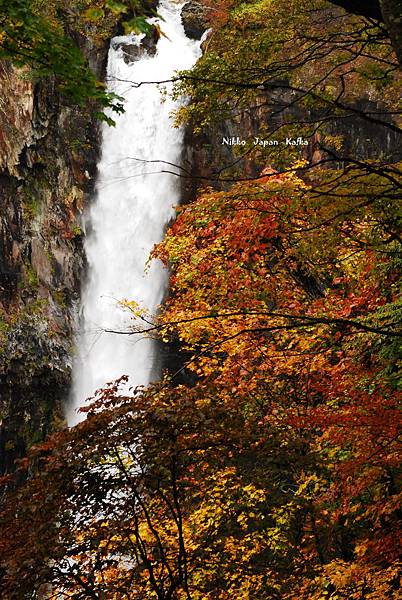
<point>49,149</point>
<point>268,117</point>
<point>48,152</point>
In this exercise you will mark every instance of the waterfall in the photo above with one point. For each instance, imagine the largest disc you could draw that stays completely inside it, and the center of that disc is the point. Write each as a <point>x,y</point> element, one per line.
<point>133,203</point>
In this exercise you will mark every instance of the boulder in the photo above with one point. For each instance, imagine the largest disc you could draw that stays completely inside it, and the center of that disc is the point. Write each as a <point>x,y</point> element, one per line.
<point>194,16</point>
<point>134,52</point>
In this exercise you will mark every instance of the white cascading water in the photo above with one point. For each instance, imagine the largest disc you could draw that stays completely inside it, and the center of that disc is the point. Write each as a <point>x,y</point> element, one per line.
<point>129,214</point>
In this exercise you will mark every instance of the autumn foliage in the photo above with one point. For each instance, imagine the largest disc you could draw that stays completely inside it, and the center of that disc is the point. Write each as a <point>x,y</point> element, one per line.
<point>267,464</point>
<point>275,473</point>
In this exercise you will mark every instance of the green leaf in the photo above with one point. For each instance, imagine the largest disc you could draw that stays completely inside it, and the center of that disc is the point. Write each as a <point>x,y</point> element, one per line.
<point>94,14</point>
<point>116,8</point>
<point>138,25</point>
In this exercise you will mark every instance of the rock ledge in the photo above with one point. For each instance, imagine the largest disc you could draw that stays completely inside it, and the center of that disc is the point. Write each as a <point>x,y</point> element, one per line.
<point>194,15</point>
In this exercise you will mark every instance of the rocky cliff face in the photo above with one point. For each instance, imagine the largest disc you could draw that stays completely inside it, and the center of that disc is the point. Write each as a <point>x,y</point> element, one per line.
<point>213,158</point>
<point>48,154</point>
<point>268,118</point>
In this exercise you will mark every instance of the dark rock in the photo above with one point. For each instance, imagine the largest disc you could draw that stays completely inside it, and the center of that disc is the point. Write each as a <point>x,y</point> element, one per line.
<point>195,19</point>
<point>134,52</point>
<point>173,360</point>
<point>211,160</point>
<point>48,154</point>
<point>131,52</point>
<point>34,377</point>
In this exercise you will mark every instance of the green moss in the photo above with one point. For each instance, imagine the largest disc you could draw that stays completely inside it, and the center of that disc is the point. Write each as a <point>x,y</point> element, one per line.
<point>4,329</point>
<point>31,276</point>
<point>77,231</point>
<point>31,207</point>
<point>80,145</point>
<point>33,437</point>
<point>60,298</point>
<point>9,446</point>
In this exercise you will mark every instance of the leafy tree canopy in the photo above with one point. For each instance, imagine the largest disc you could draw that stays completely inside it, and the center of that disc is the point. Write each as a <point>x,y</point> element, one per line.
<point>275,473</point>
<point>36,35</point>
<point>302,65</point>
<point>267,465</point>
